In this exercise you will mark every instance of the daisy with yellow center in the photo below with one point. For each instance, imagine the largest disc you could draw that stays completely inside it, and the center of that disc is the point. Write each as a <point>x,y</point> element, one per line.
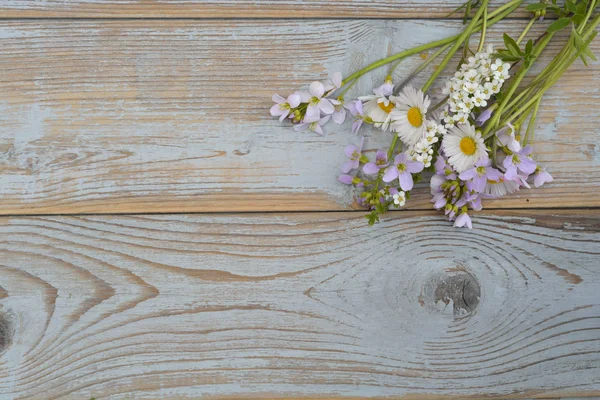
<point>464,147</point>
<point>379,105</point>
<point>409,115</point>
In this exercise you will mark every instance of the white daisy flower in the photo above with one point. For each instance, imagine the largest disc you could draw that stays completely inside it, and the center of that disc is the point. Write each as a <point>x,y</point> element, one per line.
<point>377,107</point>
<point>464,147</point>
<point>500,188</point>
<point>409,115</point>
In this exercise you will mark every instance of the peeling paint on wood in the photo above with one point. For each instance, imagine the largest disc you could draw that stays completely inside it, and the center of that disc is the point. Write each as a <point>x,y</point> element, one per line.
<point>172,116</point>
<point>231,8</point>
<point>178,306</point>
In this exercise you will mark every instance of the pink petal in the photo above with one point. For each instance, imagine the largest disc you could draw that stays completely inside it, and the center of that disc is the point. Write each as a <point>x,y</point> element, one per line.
<point>326,106</point>
<point>370,168</point>
<point>468,174</point>
<point>278,99</point>
<point>414,166</point>
<point>493,174</point>
<point>339,116</point>
<point>294,100</point>
<point>301,127</point>
<point>406,181</point>
<point>313,114</point>
<point>347,167</point>
<point>391,173</point>
<point>511,172</point>
<point>284,115</point>
<point>317,89</point>
<point>276,110</point>
<point>527,165</point>
<point>350,150</point>
<point>336,78</point>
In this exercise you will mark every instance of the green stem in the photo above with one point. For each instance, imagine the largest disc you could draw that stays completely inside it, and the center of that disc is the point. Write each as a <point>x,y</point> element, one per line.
<point>483,29</point>
<point>530,126</point>
<point>493,123</point>
<point>421,68</point>
<point>494,17</point>
<point>461,39</point>
<point>527,28</point>
<point>392,147</point>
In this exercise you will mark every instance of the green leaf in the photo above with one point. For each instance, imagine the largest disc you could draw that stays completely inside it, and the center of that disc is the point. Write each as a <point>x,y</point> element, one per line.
<point>536,7</point>
<point>529,47</point>
<point>505,55</point>
<point>578,19</point>
<point>558,25</point>
<point>569,5</point>
<point>512,46</point>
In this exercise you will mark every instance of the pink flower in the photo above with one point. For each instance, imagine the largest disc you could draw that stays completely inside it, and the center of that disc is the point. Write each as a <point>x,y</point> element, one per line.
<point>353,153</point>
<point>339,115</point>
<point>463,220</point>
<point>356,109</point>
<point>316,126</point>
<point>381,161</point>
<point>480,174</point>
<point>507,138</point>
<point>283,106</point>
<point>317,103</point>
<point>521,161</point>
<point>402,170</point>
<point>334,83</point>
<point>541,177</point>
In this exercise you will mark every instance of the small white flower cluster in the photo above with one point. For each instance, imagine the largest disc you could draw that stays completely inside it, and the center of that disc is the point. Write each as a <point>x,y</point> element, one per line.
<point>423,150</point>
<point>473,85</point>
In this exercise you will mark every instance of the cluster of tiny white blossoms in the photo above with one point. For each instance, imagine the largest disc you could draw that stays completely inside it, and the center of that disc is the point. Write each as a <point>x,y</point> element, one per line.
<point>473,85</point>
<point>423,151</point>
<point>468,145</point>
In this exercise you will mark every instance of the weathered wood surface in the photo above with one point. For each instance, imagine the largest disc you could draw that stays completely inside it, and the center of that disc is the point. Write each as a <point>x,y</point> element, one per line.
<point>300,304</point>
<point>232,8</point>
<point>171,116</point>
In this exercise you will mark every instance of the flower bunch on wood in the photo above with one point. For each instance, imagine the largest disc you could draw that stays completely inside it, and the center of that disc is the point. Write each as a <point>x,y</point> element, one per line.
<point>475,142</point>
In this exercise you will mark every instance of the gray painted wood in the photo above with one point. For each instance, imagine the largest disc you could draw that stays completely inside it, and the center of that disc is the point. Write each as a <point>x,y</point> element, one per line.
<point>231,8</point>
<point>171,116</point>
<point>181,306</point>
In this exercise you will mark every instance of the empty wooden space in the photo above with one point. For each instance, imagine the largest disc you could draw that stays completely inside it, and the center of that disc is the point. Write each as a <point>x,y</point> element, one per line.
<point>162,237</point>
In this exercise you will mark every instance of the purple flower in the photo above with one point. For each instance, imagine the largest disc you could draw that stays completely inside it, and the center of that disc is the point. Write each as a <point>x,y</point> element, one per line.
<point>484,116</point>
<point>356,109</point>
<point>335,82</point>
<point>443,168</point>
<point>508,139</point>
<point>353,153</point>
<point>480,175</point>
<point>462,220</point>
<point>541,177</point>
<point>346,179</point>
<point>339,115</point>
<point>317,103</point>
<point>521,161</point>
<point>403,169</point>
<point>283,106</point>
<point>381,161</point>
<point>316,126</point>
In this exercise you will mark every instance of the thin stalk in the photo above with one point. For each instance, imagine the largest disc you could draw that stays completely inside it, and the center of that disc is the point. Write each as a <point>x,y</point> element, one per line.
<point>483,29</point>
<point>494,17</point>
<point>526,30</point>
<point>461,39</point>
<point>513,87</point>
<point>421,68</point>
<point>530,127</point>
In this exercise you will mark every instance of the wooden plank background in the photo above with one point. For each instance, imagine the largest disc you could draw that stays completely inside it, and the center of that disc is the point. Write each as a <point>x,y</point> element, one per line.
<point>150,115</point>
<point>162,9</point>
<point>179,305</point>
<point>138,116</point>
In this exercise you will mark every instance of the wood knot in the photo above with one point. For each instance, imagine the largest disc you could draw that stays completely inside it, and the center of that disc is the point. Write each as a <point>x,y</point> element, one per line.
<point>456,289</point>
<point>6,331</point>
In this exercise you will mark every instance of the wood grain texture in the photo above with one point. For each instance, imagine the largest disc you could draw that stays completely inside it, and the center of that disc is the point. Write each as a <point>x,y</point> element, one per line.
<point>182,306</point>
<point>231,8</point>
<point>171,116</point>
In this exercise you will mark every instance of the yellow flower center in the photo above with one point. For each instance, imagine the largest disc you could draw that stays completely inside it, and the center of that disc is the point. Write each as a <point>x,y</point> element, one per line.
<point>415,118</point>
<point>468,146</point>
<point>388,109</point>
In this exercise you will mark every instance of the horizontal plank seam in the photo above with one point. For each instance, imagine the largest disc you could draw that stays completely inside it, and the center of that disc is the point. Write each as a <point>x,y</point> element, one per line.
<point>287,212</point>
<point>308,19</point>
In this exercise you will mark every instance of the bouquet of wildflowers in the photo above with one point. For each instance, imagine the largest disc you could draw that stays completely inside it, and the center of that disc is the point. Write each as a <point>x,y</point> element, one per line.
<point>476,141</point>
